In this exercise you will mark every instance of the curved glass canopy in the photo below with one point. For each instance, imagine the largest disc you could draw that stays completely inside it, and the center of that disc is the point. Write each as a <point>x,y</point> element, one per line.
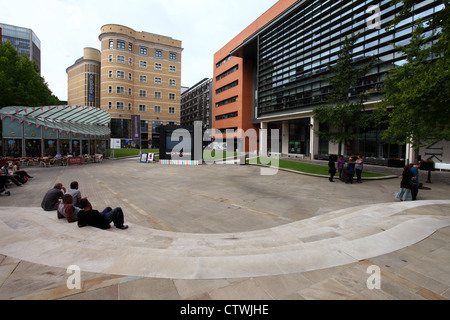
<point>76,119</point>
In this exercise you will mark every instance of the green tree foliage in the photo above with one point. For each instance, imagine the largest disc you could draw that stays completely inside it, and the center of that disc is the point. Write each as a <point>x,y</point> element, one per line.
<point>343,113</point>
<point>417,94</point>
<point>20,82</point>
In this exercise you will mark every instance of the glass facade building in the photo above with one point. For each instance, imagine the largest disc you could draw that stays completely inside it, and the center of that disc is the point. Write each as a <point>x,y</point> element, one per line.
<point>24,40</point>
<point>290,56</point>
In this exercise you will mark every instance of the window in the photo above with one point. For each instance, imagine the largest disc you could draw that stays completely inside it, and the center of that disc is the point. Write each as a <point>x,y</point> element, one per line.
<point>228,58</point>
<point>173,69</point>
<point>227,87</point>
<point>158,80</point>
<point>143,79</point>
<point>157,109</point>
<point>142,108</point>
<point>228,72</point>
<point>158,95</point>
<point>130,76</point>
<point>120,90</point>
<point>143,64</point>
<point>158,53</point>
<point>111,44</point>
<point>173,56</point>
<point>227,116</point>
<point>172,110</point>
<point>158,66</point>
<point>143,51</point>
<point>110,90</point>
<point>120,75</point>
<point>110,74</point>
<point>172,83</point>
<point>130,107</point>
<point>119,105</point>
<point>142,93</point>
<point>120,45</point>
<point>121,59</point>
<point>110,105</point>
<point>172,96</point>
<point>130,47</point>
<point>130,92</point>
<point>110,58</point>
<point>227,101</point>
<point>130,61</point>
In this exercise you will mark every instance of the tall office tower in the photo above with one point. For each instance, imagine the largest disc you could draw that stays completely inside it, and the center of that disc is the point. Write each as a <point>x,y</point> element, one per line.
<point>273,74</point>
<point>24,40</point>
<point>196,104</point>
<point>140,76</point>
<point>84,79</point>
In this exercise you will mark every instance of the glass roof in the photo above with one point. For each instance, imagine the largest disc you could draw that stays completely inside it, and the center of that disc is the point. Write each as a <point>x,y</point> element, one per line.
<point>76,119</point>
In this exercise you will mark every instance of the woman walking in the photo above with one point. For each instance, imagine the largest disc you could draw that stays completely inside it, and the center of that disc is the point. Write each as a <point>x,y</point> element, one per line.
<point>404,194</point>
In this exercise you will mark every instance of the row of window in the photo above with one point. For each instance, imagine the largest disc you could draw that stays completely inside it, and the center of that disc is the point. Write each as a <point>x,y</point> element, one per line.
<point>142,78</point>
<point>143,51</point>
<point>227,116</point>
<point>142,63</point>
<point>142,107</point>
<point>142,93</point>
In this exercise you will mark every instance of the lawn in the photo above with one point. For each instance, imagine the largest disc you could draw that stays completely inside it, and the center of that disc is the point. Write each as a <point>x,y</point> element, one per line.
<point>121,153</point>
<point>314,168</point>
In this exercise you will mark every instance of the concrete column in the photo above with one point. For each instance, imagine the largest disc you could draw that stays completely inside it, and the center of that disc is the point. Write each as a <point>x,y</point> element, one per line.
<point>314,140</point>
<point>263,139</point>
<point>285,138</point>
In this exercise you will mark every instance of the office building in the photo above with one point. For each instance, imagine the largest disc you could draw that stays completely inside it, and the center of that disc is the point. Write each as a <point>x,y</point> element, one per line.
<point>24,40</point>
<point>196,104</point>
<point>140,76</point>
<point>84,79</point>
<point>271,75</point>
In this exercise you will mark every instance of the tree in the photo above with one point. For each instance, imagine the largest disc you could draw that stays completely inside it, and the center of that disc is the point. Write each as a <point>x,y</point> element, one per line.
<point>20,82</point>
<point>417,94</point>
<point>342,114</point>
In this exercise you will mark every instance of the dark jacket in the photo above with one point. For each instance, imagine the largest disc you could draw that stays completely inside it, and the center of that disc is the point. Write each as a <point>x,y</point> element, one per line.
<point>332,167</point>
<point>406,179</point>
<point>92,218</point>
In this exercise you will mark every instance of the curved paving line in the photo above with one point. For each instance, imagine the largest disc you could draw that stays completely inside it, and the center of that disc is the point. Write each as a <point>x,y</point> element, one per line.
<point>337,238</point>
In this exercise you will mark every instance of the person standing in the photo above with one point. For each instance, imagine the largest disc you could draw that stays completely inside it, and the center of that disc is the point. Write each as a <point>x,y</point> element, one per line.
<point>332,169</point>
<point>350,170</point>
<point>415,181</point>
<point>404,194</point>
<point>359,168</point>
<point>340,166</point>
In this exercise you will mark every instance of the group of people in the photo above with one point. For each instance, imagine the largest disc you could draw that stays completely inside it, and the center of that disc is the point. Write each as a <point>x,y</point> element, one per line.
<point>12,174</point>
<point>70,205</point>
<point>409,186</point>
<point>346,170</point>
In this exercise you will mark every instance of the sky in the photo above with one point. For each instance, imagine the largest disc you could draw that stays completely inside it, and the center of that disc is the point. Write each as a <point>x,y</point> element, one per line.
<point>66,27</point>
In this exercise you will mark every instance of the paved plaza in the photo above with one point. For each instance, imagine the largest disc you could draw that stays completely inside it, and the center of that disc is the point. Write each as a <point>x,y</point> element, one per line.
<point>226,232</point>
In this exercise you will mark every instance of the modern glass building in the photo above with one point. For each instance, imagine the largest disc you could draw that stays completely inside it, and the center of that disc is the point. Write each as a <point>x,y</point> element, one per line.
<point>44,131</point>
<point>288,58</point>
<point>24,40</point>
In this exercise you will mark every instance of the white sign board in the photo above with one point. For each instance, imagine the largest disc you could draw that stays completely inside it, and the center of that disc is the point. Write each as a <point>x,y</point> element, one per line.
<point>115,144</point>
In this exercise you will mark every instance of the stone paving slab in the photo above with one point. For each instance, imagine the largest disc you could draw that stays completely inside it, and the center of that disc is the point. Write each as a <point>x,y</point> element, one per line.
<point>265,251</point>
